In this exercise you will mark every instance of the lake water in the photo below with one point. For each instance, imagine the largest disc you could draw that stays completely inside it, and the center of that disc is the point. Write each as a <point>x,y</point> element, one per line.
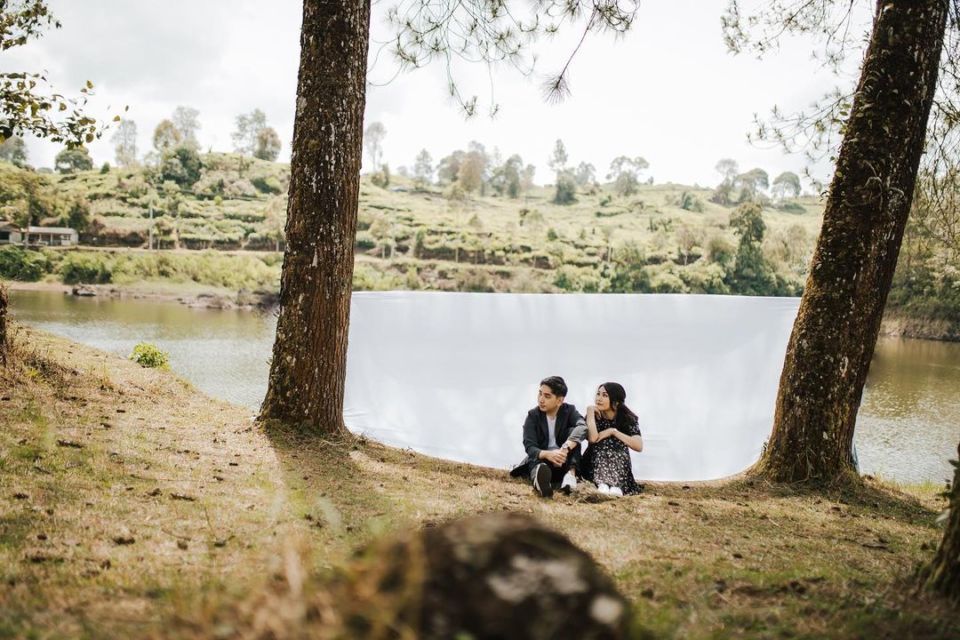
<point>907,430</point>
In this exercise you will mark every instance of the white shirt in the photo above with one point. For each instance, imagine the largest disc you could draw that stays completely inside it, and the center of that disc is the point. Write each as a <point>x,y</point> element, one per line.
<point>552,433</point>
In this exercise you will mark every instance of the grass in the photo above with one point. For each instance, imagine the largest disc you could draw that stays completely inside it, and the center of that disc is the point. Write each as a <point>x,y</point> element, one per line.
<point>173,515</point>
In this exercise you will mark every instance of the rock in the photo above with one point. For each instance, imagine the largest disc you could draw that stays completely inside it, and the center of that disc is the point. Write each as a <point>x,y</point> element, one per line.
<point>501,575</point>
<point>84,291</point>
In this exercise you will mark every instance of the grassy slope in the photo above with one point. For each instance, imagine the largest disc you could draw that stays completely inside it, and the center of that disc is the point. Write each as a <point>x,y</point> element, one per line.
<point>698,562</point>
<point>521,241</point>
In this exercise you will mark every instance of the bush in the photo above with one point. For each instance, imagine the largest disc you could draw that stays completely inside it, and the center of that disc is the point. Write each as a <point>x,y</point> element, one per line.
<point>21,264</point>
<point>267,184</point>
<point>690,202</point>
<point>86,268</point>
<point>149,355</point>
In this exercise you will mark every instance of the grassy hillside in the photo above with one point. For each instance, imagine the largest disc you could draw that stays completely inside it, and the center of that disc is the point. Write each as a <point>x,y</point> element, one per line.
<point>665,238</point>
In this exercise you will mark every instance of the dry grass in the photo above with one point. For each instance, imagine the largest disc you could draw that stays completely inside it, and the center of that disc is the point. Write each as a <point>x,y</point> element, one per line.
<point>233,530</point>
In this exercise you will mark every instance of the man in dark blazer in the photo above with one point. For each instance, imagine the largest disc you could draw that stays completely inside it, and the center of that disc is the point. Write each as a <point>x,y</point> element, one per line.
<point>552,434</point>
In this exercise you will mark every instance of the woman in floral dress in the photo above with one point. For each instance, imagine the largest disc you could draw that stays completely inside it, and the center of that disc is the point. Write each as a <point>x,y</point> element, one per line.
<point>612,430</point>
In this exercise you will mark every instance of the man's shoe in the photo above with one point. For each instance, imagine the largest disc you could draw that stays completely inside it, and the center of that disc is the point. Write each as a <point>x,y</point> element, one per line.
<point>569,483</point>
<point>615,491</point>
<point>541,480</point>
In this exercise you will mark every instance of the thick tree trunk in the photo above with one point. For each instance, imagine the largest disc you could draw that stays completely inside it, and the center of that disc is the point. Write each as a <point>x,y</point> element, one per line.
<point>836,329</point>
<point>943,574</point>
<point>310,351</point>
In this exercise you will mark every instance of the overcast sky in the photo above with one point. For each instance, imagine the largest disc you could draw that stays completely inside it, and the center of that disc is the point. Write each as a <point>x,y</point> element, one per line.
<point>667,91</point>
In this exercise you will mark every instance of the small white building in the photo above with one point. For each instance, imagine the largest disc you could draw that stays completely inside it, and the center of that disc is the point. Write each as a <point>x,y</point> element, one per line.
<point>51,237</point>
<point>10,234</point>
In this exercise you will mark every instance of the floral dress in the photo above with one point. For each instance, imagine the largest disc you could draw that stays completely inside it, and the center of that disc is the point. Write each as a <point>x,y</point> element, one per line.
<point>608,461</point>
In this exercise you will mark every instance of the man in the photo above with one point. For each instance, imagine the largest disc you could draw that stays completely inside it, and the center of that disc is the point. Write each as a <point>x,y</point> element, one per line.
<point>552,434</point>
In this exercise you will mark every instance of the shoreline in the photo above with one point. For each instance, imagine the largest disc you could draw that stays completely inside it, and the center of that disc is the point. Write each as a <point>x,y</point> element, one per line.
<point>194,297</point>
<point>894,324</point>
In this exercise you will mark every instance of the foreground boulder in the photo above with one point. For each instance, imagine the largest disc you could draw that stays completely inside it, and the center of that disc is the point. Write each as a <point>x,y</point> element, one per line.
<point>491,576</point>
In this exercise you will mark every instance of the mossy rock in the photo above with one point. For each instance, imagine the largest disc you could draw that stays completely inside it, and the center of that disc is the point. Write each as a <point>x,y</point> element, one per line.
<point>501,575</point>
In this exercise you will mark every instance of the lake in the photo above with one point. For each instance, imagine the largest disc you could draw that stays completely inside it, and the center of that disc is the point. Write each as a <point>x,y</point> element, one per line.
<point>907,429</point>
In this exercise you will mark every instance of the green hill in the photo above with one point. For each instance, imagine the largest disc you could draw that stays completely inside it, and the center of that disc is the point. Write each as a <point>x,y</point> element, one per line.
<point>664,238</point>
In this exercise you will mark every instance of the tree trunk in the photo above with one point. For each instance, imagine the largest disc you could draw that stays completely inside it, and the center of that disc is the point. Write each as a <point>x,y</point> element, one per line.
<point>943,574</point>
<point>310,351</point>
<point>3,324</point>
<point>836,328</point>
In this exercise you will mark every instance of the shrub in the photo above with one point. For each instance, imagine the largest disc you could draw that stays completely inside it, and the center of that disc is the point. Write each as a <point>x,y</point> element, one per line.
<point>149,355</point>
<point>690,202</point>
<point>21,264</point>
<point>86,268</point>
<point>267,184</point>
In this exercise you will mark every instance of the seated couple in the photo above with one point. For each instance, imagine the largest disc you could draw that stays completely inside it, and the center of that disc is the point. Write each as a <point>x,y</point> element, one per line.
<point>554,430</point>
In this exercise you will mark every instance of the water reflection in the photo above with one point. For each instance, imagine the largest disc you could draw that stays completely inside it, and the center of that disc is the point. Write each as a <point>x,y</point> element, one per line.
<point>908,427</point>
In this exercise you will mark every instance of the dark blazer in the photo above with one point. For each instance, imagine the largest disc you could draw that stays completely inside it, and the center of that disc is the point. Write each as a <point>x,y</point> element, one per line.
<point>570,426</point>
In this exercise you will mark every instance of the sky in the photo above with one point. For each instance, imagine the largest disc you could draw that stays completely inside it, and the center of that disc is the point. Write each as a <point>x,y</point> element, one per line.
<point>667,91</point>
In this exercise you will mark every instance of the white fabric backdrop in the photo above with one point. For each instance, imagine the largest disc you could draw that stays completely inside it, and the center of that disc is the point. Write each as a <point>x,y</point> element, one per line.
<point>453,375</point>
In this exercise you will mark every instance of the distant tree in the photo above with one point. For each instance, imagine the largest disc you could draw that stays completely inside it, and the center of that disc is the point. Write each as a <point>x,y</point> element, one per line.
<point>752,273</point>
<point>78,215</point>
<point>166,136</point>
<point>124,141</point>
<point>625,174</point>
<point>558,161</point>
<point>448,170</point>
<point>268,145</point>
<point>14,150</point>
<point>181,165</point>
<point>787,183</point>
<point>423,170</point>
<point>566,188</point>
<point>185,121</point>
<point>248,128</point>
<point>473,170</point>
<point>24,104</point>
<point>373,139</point>
<point>506,177</point>
<point>526,179</point>
<point>105,168</point>
<point>585,175</point>
<point>728,170</point>
<point>72,160</point>
<point>750,184</point>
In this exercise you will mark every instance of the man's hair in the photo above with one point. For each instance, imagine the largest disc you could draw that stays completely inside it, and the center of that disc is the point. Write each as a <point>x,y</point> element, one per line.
<point>557,385</point>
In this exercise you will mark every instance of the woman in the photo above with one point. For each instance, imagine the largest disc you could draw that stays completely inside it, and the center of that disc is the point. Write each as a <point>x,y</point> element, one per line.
<point>612,430</point>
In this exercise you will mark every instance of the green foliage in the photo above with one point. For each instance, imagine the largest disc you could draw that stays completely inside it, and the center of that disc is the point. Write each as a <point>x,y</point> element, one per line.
<point>625,173</point>
<point>181,165</point>
<point>629,270</point>
<point>267,184</point>
<point>149,355</point>
<point>105,168</point>
<point>78,217</point>
<point>381,178</point>
<point>17,263</point>
<point>268,145</point>
<point>73,160</point>
<point>85,268</point>
<point>566,189</point>
<point>690,202</point>
<point>14,151</point>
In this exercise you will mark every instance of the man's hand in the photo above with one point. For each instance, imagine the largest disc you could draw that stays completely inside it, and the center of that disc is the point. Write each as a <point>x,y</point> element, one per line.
<point>557,457</point>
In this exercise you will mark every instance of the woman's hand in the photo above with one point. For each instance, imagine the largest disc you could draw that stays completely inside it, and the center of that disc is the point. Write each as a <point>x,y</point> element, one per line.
<point>606,433</point>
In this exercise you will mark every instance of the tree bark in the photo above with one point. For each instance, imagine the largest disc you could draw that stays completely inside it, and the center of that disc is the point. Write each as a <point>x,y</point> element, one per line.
<point>943,574</point>
<point>310,350</point>
<point>3,324</point>
<point>839,318</point>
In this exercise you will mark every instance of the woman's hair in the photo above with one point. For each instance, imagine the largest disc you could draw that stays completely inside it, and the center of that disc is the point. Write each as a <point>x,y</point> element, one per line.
<point>625,417</point>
